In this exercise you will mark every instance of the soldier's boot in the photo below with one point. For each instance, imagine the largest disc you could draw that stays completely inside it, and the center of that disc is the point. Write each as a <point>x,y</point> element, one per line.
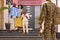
<point>53,33</point>
<point>47,34</point>
<point>46,37</point>
<point>54,37</point>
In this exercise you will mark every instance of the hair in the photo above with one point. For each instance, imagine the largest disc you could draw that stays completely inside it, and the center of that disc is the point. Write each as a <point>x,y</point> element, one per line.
<point>47,0</point>
<point>14,5</point>
<point>24,11</point>
<point>21,6</point>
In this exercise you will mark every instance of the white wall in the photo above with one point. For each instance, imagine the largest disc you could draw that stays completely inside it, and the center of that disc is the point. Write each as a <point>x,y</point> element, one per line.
<point>37,14</point>
<point>54,1</point>
<point>58,3</point>
<point>5,15</point>
<point>59,24</point>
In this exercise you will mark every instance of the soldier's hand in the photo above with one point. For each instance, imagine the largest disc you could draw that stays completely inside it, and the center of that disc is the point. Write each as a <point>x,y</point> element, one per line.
<point>40,26</point>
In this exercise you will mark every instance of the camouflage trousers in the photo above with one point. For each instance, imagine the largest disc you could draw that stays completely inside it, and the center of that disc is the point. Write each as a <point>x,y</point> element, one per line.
<point>49,32</point>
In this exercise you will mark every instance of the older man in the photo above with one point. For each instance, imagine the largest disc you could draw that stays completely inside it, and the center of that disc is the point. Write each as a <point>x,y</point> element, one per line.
<point>14,12</point>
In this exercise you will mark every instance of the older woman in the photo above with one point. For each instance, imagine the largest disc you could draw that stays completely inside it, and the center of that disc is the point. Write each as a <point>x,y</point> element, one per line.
<point>18,23</point>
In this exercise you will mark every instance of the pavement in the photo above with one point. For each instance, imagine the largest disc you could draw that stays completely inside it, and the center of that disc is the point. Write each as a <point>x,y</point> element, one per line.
<point>22,38</point>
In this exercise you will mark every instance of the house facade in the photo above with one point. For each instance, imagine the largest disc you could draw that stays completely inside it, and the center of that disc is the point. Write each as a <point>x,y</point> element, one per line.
<point>34,12</point>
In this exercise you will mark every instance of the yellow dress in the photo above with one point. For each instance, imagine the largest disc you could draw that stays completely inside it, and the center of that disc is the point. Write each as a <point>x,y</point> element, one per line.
<point>18,22</point>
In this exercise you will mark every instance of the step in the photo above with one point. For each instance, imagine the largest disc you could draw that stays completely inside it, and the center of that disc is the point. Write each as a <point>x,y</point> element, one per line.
<point>21,38</point>
<point>16,33</point>
<point>7,33</point>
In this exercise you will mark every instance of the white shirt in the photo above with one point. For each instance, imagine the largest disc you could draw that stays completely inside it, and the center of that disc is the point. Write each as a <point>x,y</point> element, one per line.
<point>24,17</point>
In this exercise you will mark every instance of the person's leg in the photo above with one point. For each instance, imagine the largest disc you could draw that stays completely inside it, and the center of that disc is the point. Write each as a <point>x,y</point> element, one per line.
<point>53,32</point>
<point>26,23</point>
<point>11,24</point>
<point>23,27</point>
<point>19,29</point>
<point>47,32</point>
<point>14,24</point>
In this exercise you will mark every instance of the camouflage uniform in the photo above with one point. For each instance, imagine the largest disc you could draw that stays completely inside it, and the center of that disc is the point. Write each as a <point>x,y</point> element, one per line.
<point>48,14</point>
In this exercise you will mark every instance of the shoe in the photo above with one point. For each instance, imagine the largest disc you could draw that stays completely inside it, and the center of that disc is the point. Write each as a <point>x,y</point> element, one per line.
<point>19,31</point>
<point>23,33</point>
<point>10,30</point>
<point>27,33</point>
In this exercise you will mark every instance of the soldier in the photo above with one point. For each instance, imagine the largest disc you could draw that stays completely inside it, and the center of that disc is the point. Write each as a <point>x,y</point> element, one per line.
<point>48,14</point>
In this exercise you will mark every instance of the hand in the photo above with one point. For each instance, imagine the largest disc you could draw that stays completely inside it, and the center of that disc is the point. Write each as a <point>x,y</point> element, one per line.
<point>11,16</point>
<point>40,26</point>
<point>16,16</point>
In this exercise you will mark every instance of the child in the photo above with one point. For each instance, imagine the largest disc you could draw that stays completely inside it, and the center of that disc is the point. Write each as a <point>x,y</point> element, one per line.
<point>25,18</point>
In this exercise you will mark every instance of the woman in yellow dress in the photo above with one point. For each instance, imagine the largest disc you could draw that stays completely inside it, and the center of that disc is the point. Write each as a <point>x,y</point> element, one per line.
<point>18,22</point>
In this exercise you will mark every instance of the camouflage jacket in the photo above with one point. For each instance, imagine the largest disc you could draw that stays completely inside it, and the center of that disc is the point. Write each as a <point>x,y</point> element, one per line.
<point>48,12</point>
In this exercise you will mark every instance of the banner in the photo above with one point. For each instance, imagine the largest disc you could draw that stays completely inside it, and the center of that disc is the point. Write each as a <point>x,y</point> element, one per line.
<point>27,2</point>
<point>30,2</point>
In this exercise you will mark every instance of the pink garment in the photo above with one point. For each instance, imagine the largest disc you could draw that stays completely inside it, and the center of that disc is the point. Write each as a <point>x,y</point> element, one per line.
<point>29,2</point>
<point>16,1</point>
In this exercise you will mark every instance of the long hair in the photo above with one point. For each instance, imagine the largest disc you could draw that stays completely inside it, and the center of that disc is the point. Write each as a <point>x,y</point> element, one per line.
<point>14,5</point>
<point>21,6</point>
<point>48,0</point>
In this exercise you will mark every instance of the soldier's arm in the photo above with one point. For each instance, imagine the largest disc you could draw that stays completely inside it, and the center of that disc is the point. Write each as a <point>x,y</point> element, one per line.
<point>42,14</point>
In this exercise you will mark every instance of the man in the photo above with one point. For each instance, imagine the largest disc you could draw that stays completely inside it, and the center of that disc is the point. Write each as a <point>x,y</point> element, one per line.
<point>48,14</point>
<point>25,17</point>
<point>14,12</point>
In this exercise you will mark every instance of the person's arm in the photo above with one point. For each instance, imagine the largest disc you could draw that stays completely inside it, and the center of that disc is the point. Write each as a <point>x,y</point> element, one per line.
<point>42,14</point>
<point>18,13</point>
<point>27,16</point>
<point>11,13</point>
